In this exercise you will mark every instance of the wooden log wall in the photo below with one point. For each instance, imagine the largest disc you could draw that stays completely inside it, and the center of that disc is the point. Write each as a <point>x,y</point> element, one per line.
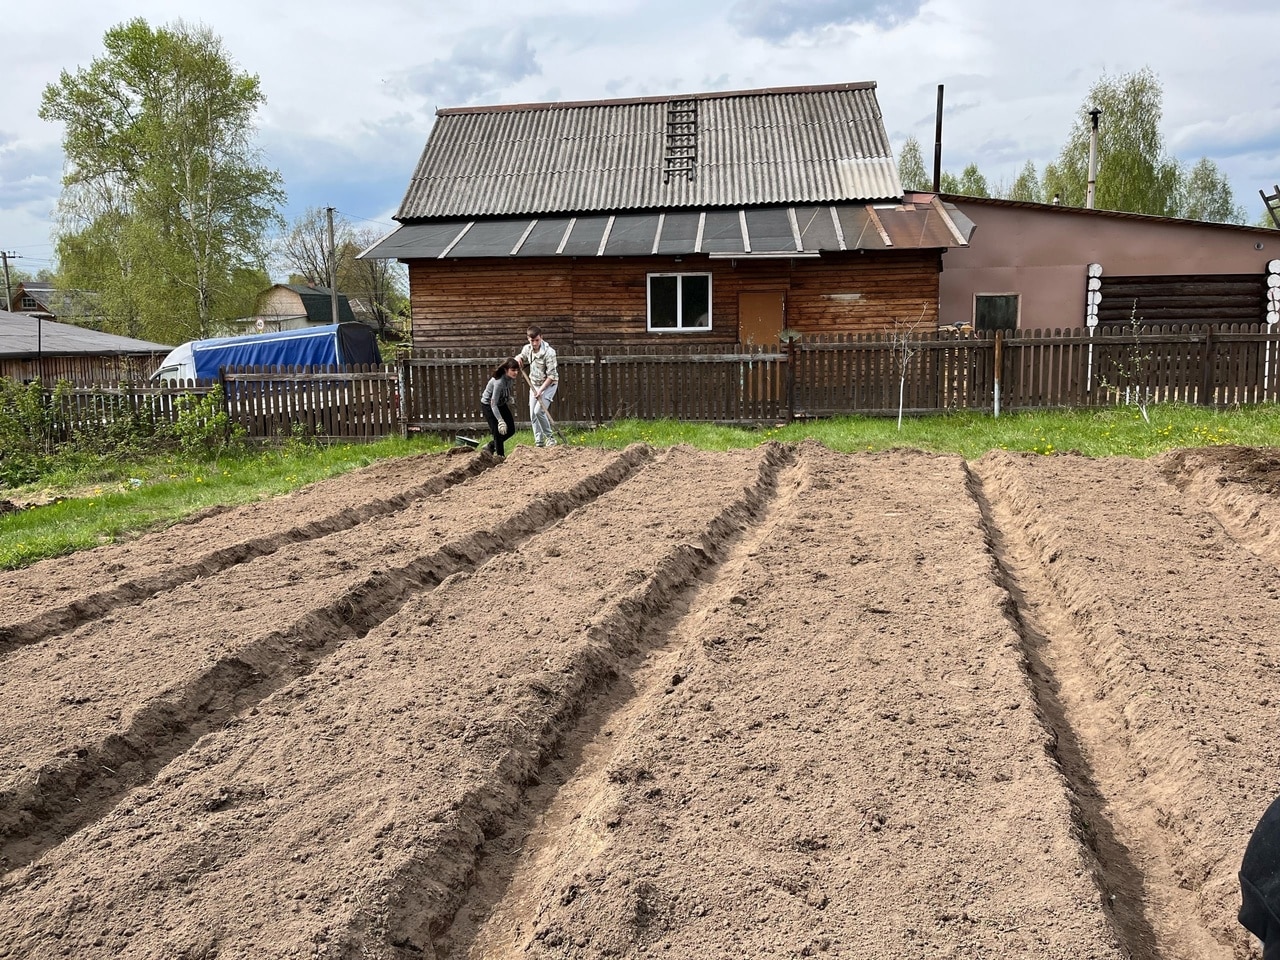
<point>1218,298</point>
<point>595,300</point>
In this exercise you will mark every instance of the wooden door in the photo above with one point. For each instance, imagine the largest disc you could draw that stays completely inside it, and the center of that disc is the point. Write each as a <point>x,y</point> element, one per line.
<point>761,317</point>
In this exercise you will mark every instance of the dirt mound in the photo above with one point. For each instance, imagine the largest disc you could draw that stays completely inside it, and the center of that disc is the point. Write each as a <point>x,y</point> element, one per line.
<point>580,704</point>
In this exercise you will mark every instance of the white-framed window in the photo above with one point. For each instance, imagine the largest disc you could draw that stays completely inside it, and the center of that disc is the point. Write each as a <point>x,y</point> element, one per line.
<point>30,303</point>
<point>996,311</point>
<point>679,302</point>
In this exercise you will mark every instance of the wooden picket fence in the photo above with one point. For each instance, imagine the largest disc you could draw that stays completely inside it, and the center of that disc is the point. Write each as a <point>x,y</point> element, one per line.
<point>439,390</point>
<point>718,384</point>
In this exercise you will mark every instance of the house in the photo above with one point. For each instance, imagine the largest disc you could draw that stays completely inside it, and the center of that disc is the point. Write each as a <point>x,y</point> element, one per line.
<point>292,306</point>
<point>1036,266</point>
<point>32,348</point>
<point>705,218</point>
<point>39,298</point>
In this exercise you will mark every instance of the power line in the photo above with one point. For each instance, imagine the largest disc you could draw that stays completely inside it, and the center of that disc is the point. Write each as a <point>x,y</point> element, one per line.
<point>352,216</point>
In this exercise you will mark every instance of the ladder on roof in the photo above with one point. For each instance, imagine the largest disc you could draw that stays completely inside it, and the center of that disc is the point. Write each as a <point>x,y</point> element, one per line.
<point>681,155</point>
<point>1273,204</point>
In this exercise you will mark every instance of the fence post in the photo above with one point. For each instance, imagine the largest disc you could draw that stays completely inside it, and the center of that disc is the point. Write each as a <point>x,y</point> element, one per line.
<point>999,362</point>
<point>226,401</point>
<point>791,379</point>
<point>1206,368</point>
<point>402,396</point>
<point>597,398</point>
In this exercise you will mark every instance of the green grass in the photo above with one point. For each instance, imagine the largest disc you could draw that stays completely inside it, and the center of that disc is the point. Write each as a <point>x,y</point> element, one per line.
<point>109,498</point>
<point>1111,431</point>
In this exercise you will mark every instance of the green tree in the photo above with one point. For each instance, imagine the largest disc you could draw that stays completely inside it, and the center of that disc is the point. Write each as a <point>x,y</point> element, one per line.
<point>1027,185</point>
<point>1133,173</point>
<point>165,202</point>
<point>948,182</point>
<point>972,183</point>
<point>1206,195</point>
<point>911,169</point>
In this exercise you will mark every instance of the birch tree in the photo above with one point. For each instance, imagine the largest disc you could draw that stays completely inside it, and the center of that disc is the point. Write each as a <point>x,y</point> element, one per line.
<point>166,204</point>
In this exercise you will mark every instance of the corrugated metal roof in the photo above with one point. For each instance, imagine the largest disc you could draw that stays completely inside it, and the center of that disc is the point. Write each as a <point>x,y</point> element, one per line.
<point>791,145</point>
<point>806,230</point>
<point>24,336</point>
<point>1058,209</point>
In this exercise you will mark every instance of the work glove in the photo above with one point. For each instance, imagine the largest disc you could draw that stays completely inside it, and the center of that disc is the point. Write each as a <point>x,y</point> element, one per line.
<point>502,428</point>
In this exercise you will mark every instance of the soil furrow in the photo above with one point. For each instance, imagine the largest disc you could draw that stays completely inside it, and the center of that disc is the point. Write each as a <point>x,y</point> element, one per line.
<point>36,604</point>
<point>769,702</point>
<point>406,747</point>
<point>56,798</point>
<point>1162,687</point>
<point>1132,865</point>
<point>503,897</point>
<point>627,629</point>
<point>817,775</point>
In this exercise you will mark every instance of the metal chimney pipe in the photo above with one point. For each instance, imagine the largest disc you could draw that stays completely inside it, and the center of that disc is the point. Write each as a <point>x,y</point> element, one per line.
<point>937,147</point>
<point>1093,158</point>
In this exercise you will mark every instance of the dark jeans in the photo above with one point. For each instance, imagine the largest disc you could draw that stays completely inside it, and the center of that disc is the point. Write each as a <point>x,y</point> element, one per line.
<point>495,445</point>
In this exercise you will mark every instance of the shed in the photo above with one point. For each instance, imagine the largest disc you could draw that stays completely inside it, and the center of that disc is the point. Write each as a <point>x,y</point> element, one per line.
<point>294,306</point>
<point>1037,266</point>
<point>706,217</point>
<point>32,348</point>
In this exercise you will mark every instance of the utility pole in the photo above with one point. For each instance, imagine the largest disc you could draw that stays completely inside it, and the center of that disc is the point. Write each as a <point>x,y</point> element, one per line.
<point>333,270</point>
<point>8,292</point>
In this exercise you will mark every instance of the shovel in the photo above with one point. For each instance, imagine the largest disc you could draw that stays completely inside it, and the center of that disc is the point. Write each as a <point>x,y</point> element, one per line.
<point>554,428</point>
<point>463,445</point>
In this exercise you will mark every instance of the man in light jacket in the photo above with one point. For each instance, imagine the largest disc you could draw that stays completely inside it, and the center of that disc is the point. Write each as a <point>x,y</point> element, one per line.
<point>538,360</point>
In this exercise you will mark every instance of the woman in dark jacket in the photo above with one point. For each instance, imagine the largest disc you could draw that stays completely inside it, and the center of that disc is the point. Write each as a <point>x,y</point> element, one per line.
<point>497,402</point>
<point>1260,883</point>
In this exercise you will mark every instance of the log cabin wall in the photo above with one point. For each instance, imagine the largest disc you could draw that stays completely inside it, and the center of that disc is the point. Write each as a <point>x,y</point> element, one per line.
<point>1225,298</point>
<point>584,301</point>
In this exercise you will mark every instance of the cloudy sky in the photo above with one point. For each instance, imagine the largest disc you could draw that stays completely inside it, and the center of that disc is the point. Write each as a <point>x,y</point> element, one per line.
<point>352,87</point>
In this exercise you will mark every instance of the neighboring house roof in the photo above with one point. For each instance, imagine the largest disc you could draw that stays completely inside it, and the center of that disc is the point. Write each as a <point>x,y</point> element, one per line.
<point>317,303</point>
<point>792,231</point>
<point>789,145</point>
<point>38,290</point>
<point>71,303</point>
<point>1054,208</point>
<point>23,336</point>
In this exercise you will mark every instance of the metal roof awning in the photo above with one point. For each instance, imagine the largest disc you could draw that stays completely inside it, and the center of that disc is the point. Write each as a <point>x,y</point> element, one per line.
<point>778,232</point>
<point>22,336</point>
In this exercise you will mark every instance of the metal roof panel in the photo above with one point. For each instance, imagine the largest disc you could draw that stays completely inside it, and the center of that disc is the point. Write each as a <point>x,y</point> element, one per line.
<point>818,144</point>
<point>769,231</point>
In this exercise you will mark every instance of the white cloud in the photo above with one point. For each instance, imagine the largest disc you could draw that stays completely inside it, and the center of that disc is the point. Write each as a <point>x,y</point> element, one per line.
<point>778,20</point>
<point>483,62</point>
<point>352,88</point>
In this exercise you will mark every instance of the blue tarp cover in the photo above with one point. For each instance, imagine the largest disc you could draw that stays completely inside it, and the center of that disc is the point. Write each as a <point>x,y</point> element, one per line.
<point>329,345</point>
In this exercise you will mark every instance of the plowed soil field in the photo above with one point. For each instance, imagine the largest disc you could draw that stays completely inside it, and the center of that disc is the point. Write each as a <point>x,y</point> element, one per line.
<point>781,702</point>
